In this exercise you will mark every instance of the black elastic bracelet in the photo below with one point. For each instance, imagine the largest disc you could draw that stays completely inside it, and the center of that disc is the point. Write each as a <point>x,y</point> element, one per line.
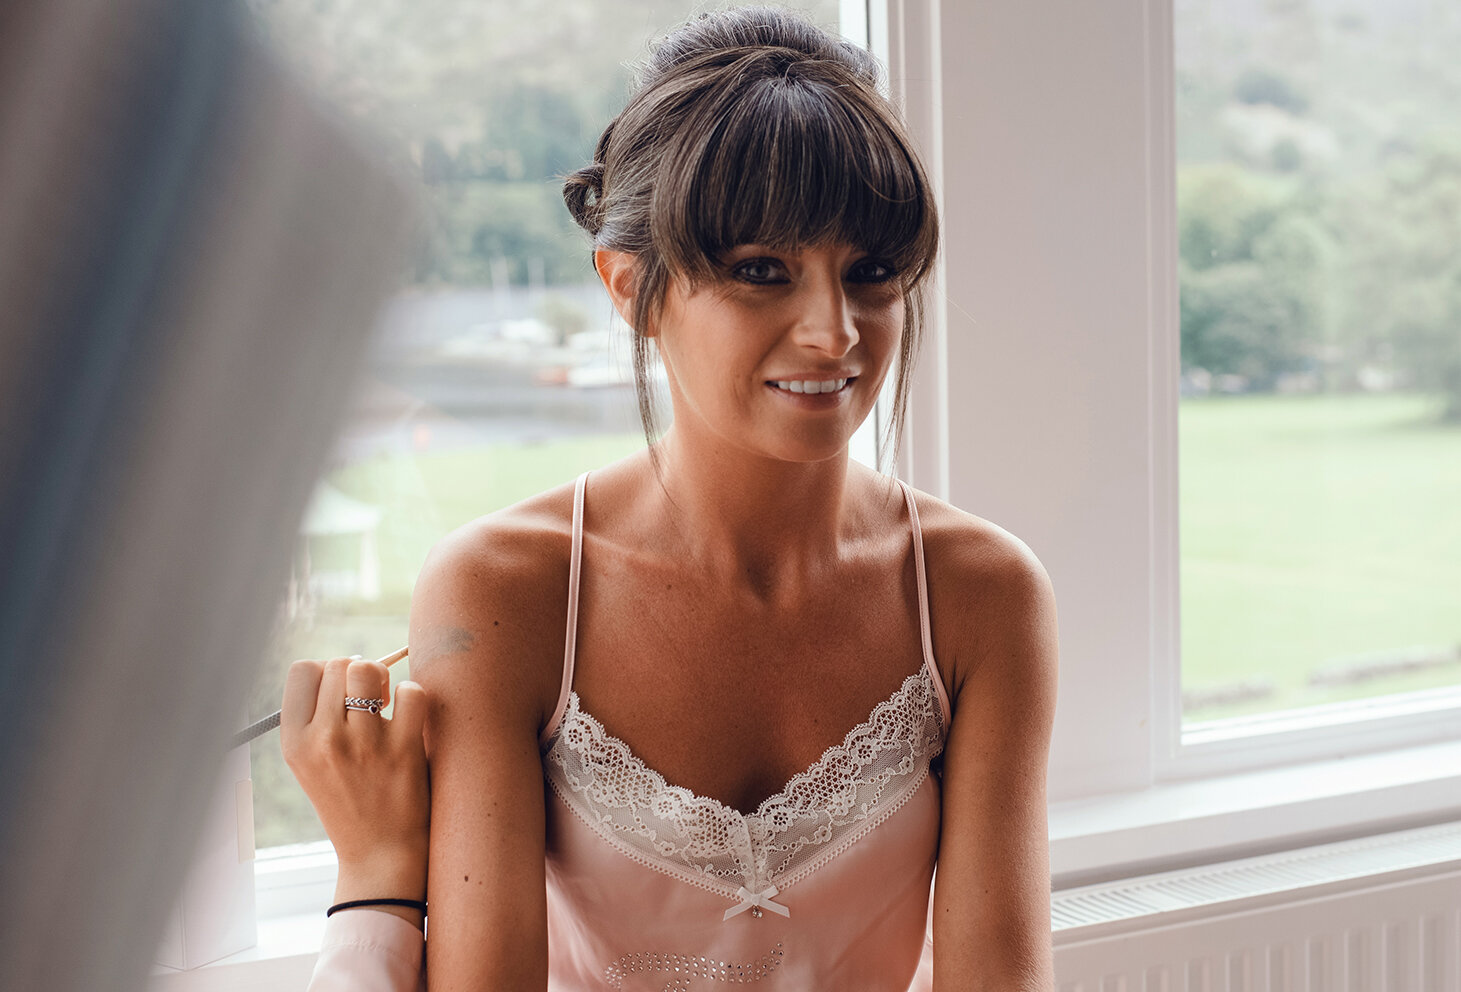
<point>408,903</point>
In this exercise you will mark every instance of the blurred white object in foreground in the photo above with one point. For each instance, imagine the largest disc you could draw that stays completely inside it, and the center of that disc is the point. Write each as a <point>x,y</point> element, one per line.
<point>191,254</point>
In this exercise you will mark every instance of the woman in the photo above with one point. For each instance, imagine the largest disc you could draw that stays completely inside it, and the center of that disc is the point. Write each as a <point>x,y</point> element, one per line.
<point>738,619</point>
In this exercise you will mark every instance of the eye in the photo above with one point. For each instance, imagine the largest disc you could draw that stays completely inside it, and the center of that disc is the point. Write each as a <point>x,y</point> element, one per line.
<point>871,270</point>
<point>759,270</point>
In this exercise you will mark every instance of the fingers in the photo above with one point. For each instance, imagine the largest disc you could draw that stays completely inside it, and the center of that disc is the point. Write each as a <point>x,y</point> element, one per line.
<point>331,706</point>
<point>367,680</point>
<point>315,691</point>
<point>301,689</point>
<point>409,716</point>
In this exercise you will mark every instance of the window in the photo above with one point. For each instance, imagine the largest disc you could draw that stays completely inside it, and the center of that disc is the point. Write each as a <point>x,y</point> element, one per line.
<point>1319,209</point>
<point>497,371</point>
<point>1055,132</point>
<point>1048,397</point>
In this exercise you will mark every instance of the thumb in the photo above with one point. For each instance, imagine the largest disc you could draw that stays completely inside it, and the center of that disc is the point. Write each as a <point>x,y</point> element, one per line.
<point>409,715</point>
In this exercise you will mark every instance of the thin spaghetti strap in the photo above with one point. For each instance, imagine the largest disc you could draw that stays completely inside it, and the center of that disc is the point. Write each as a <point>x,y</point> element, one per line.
<point>570,636</point>
<point>923,622</point>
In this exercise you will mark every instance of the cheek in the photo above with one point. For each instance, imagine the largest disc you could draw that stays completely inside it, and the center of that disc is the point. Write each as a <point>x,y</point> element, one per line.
<point>884,326</point>
<point>702,350</point>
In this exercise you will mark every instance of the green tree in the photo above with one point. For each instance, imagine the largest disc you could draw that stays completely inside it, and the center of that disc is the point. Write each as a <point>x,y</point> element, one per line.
<point>1400,269</point>
<point>1251,276</point>
<point>1237,318</point>
<point>479,222</point>
<point>1259,85</point>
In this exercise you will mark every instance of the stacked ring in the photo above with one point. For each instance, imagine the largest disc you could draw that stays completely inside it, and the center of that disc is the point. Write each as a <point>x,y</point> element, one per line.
<point>364,705</point>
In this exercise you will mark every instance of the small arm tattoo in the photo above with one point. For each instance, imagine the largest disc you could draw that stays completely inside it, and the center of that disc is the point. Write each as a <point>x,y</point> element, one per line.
<point>452,640</point>
<point>455,641</point>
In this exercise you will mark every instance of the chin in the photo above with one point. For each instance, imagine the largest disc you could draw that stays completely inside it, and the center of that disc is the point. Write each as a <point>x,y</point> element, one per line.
<point>810,450</point>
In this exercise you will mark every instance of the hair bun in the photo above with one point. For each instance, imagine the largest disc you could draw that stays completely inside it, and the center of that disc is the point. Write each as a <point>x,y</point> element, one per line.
<point>727,36</point>
<point>582,191</point>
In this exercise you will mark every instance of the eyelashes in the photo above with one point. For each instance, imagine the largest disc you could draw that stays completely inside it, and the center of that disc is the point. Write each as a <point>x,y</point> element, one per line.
<point>759,270</point>
<point>882,271</point>
<point>770,271</point>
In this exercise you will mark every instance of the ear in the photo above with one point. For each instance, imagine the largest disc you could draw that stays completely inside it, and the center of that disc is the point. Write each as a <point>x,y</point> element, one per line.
<point>618,272</point>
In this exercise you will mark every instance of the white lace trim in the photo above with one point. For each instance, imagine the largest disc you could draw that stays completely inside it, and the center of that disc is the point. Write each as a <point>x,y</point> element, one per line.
<point>852,788</point>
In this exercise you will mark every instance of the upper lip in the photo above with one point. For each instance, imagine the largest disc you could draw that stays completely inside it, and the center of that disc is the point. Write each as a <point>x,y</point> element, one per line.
<point>812,376</point>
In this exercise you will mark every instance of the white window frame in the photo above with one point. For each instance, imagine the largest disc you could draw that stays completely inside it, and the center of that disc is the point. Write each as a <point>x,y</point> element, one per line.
<point>1046,401</point>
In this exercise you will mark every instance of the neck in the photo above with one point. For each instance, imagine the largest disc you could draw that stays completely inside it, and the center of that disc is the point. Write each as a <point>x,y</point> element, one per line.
<point>747,517</point>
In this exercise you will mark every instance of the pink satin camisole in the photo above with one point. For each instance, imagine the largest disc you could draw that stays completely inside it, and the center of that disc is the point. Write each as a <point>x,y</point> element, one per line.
<point>824,886</point>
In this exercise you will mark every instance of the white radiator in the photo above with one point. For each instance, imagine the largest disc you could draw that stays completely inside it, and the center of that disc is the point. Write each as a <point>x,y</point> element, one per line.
<point>1377,914</point>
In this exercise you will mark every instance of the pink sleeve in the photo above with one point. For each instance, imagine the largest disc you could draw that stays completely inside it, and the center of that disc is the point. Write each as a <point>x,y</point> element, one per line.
<point>365,950</point>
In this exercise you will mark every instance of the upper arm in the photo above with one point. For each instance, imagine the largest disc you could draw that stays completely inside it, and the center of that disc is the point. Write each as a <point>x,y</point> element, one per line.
<point>482,647</point>
<point>992,896</point>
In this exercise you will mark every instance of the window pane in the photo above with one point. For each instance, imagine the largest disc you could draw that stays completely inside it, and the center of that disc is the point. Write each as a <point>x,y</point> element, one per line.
<point>497,373</point>
<point>1319,213</point>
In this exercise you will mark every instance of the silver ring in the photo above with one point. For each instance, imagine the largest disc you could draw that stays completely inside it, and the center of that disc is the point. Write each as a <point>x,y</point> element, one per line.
<point>364,705</point>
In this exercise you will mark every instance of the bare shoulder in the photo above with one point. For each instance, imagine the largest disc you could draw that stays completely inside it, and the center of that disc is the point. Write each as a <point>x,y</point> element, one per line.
<point>991,601</point>
<point>489,607</point>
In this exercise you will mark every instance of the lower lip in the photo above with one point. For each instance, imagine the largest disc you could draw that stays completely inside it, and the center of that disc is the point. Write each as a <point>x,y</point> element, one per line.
<point>814,401</point>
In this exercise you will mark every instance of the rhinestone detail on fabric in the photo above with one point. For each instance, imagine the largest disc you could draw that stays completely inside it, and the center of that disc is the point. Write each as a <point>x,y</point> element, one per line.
<point>683,968</point>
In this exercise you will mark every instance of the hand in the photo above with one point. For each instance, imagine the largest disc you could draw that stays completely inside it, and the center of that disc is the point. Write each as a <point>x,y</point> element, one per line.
<point>365,775</point>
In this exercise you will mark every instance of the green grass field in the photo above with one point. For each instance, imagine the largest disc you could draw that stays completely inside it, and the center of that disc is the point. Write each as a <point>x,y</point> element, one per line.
<point>426,496</point>
<point>1314,530</point>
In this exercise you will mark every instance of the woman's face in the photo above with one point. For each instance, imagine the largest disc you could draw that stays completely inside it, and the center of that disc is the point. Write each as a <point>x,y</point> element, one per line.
<point>785,354</point>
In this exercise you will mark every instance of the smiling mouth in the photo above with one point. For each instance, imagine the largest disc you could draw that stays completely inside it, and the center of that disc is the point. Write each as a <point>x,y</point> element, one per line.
<point>811,386</point>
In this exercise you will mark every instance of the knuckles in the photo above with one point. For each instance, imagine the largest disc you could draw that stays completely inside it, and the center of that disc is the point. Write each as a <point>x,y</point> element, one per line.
<point>326,753</point>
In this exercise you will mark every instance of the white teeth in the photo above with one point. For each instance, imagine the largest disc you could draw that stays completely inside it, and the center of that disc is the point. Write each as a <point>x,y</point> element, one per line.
<point>811,385</point>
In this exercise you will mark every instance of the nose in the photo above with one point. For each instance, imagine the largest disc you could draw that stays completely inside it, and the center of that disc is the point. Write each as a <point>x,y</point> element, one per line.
<point>825,321</point>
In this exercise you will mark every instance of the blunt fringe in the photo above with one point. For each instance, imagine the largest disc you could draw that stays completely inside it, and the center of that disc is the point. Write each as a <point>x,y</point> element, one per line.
<point>753,125</point>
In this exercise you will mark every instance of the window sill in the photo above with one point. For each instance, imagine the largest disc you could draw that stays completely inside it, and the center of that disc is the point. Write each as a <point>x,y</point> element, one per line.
<point>284,958</point>
<point>1180,824</point>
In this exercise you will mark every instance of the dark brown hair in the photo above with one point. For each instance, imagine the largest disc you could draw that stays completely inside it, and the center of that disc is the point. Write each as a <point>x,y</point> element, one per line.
<point>753,125</point>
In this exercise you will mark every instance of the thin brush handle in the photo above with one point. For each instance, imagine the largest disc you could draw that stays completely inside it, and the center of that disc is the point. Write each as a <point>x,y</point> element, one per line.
<point>261,727</point>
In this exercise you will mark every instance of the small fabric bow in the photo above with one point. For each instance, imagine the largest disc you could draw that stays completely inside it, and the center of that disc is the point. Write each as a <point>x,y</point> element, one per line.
<point>760,899</point>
